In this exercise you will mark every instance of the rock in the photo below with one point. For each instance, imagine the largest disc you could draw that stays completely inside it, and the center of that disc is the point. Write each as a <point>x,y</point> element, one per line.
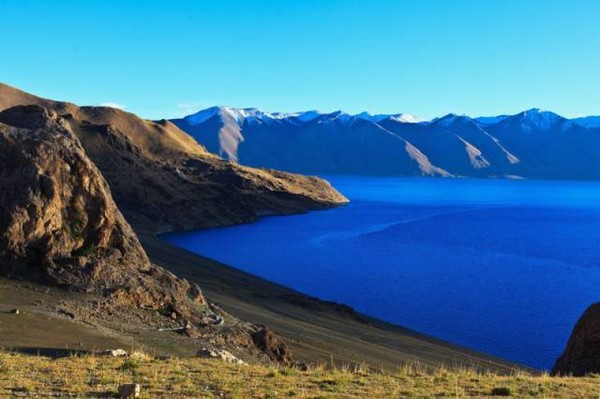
<point>114,353</point>
<point>582,354</point>
<point>190,330</point>
<point>272,345</point>
<point>15,311</point>
<point>212,320</point>
<point>67,313</point>
<point>60,225</point>
<point>130,391</point>
<point>222,354</point>
<point>301,365</point>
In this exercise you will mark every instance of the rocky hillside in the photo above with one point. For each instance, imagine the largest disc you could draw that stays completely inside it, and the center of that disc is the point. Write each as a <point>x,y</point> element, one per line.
<point>161,178</point>
<point>59,223</point>
<point>582,354</point>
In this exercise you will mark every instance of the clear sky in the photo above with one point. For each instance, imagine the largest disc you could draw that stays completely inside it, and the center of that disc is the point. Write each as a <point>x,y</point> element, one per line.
<point>427,57</point>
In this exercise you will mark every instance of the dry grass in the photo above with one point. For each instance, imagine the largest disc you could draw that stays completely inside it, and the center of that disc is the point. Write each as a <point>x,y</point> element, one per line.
<point>92,376</point>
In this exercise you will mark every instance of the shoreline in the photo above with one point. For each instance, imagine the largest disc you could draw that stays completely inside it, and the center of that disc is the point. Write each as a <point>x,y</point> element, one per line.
<point>315,330</point>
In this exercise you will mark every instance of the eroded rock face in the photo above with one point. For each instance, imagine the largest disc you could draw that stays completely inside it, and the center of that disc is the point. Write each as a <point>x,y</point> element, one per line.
<point>582,354</point>
<point>59,223</point>
<point>272,345</point>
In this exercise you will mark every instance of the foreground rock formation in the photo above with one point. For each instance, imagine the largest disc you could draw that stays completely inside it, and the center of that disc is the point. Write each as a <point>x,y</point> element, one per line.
<point>59,223</point>
<point>582,354</point>
<point>162,179</point>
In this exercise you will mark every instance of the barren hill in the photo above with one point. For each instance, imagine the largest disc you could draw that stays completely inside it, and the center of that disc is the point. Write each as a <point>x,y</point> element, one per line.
<point>160,177</point>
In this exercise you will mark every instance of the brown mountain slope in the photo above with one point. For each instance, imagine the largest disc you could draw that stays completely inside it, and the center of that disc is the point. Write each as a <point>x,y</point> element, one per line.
<point>59,224</point>
<point>582,354</point>
<point>151,138</point>
<point>161,178</point>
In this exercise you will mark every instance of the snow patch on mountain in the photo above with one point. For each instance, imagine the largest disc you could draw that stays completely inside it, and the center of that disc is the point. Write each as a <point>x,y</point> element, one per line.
<point>536,118</point>
<point>250,115</point>
<point>401,117</point>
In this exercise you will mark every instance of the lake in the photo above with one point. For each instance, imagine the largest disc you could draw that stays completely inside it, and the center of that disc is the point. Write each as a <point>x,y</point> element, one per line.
<point>505,267</point>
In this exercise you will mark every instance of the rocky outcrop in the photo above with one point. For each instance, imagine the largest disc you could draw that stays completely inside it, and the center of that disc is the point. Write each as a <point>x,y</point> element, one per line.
<point>60,225</point>
<point>271,344</point>
<point>222,354</point>
<point>582,354</point>
<point>162,179</point>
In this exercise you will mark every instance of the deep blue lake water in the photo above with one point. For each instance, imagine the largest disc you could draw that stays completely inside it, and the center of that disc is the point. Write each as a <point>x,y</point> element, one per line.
<point>505,267</point>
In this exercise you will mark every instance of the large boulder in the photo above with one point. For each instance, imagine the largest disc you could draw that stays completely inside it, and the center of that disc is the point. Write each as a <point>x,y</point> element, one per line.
<point>582,354</point>
<point>60,225</point>
<point>271,344</point>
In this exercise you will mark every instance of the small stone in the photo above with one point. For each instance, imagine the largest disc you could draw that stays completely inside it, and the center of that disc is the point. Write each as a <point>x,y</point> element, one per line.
<point>15,311</point>
<point>114,352</point>
<point>130,391</point>
<point>222,354</point>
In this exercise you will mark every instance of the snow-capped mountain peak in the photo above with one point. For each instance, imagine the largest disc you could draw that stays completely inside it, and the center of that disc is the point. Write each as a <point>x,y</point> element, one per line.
<point>241,115</point>
<point>532,119</point>
<point>202,116</point>
<point>538,119</point>
<point>401,117</point>
<point>303,116</point>
<point>449,120</point>
<point>406,118</point>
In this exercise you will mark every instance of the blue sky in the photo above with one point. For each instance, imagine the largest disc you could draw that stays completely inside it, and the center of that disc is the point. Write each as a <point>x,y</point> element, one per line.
<point>427,57</point>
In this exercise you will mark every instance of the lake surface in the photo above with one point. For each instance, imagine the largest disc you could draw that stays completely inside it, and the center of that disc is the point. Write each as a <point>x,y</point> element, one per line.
<point>505,267</point>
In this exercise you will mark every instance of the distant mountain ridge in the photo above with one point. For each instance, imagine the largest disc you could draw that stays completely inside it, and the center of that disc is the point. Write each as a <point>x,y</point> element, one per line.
<point>531,144</point>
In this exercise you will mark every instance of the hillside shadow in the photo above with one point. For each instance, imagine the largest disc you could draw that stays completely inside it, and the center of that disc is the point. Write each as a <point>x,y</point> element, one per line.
<point>53,353</point>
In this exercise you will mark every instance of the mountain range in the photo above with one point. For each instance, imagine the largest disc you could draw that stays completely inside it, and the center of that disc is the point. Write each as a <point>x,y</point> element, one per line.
<point>531,144</point>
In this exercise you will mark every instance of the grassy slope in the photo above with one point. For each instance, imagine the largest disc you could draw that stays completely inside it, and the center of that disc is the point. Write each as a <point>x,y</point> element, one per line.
<point>94,376</point>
